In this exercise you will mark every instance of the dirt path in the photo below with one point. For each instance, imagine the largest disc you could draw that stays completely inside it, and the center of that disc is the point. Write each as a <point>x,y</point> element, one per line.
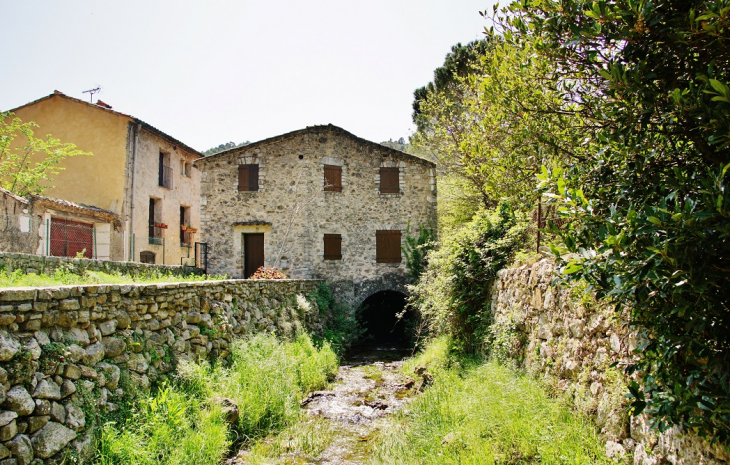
<point>364,392</point>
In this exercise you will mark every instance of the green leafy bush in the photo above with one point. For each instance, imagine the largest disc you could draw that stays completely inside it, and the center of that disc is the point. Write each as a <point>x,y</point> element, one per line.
<point>453,293</point>
<point>416,249</point>
<point>341,328</point>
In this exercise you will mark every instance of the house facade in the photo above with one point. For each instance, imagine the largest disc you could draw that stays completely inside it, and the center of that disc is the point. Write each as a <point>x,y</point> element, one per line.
<point>317,203</point>
<point>136,172</point>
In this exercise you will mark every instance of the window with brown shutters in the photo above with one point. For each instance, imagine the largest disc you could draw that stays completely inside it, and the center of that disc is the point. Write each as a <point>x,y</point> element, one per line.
<point>332,247</point>
<point>248,177</point>
<point>333,178</point>
<point>389,180</point>
<point>387,246</point>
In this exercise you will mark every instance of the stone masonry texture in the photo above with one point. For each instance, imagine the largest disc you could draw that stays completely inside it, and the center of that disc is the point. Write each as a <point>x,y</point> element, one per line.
<point>294,211</point>
<point>62,347</point>
<point>579,347</point>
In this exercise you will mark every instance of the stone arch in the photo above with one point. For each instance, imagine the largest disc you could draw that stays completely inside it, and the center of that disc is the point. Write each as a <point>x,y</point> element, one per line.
<point>378,315</point>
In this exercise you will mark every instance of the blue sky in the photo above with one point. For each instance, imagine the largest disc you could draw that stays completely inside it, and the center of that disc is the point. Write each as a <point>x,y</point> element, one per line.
<point>209,72</point>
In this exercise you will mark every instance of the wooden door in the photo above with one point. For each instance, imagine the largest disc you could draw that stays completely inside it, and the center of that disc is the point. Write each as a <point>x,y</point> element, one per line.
<point>69,238</point>
<point>253,253</point>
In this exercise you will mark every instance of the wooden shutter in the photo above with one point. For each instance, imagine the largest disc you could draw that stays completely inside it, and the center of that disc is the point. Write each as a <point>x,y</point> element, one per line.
<point>389,180</point>
<point>248,177</point>
<point>332,247</point>
<point>333,178</point>
<point>387,246</point>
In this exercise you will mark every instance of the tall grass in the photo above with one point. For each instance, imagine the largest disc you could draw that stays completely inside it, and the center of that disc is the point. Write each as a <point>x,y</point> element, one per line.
<point>65,276</point>
<point>183,424</point>
<point>484,413</point>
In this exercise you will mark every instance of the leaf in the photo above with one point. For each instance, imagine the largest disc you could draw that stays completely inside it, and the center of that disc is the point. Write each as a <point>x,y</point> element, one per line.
<point>655,220</point>
<point>720,87</point>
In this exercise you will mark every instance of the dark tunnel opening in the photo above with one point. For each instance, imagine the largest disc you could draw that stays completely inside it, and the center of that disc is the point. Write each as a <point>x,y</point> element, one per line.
<point>378,316</point>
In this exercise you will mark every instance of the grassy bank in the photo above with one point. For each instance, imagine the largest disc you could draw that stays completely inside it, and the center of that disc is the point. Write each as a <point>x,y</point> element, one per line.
<point>184,422</point>
<point>479,412</point>
<point>65,277</point>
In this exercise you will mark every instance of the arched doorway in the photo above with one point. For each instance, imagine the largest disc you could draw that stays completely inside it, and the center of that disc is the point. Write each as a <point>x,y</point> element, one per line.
<point>379,317</point>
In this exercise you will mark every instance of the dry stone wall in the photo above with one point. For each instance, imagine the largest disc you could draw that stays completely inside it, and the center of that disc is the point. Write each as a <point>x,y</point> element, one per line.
<point>29,263</point>
<point>566,338</point>
<point>67,351</point>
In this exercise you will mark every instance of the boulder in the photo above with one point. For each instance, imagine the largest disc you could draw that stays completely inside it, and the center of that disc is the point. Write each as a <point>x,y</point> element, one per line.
<point>8,348</point>
<point>22,449</point>
<point>51,438</point>
<point>7,416</point>
<point>75,418</point>
<point>67,388</point>
<point>113,346</point>
<point>94,354</point>
<point>47,390</point>
<point>19,401</point>
<point>37,422</point>
<point>8,431</point>
<point>58,412</point>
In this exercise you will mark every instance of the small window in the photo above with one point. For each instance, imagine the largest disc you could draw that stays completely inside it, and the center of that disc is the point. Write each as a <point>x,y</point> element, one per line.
<point>155,222</point>
<point>147,257</point>
<point>185,168</point>
<point>186,229</point>
<point>164,176</point>
<point>387,246</point>
<point>332,247</point>
<point>248,177</point>
<point>333,178</point>
<point>389,180</point>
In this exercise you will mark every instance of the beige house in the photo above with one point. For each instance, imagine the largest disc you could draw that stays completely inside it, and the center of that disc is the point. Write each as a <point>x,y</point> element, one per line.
<point>137,172</point>
<point>318,203</point>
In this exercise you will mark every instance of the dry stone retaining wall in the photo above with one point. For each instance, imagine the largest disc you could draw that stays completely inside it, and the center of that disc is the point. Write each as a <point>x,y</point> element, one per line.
<point>563,336</point>
<point>65,348</point>
<point>29,263</point>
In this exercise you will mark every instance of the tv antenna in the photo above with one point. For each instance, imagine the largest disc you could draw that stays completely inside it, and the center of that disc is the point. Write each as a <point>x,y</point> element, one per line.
<point>91,93</point>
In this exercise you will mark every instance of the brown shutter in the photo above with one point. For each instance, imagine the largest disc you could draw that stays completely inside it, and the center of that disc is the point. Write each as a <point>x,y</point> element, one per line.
<point>248,177</point>
<point>387,246</point>
<point>332,247</point>
<point>389,180</point>
<point>333,178</point>
<point>243,177</point>
<point>253,177</point>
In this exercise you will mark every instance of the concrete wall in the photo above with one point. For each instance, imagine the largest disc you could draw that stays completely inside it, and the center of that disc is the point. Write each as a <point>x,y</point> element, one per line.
<point>566,338</point>
<point>294,211</point>
<point>65,347</point>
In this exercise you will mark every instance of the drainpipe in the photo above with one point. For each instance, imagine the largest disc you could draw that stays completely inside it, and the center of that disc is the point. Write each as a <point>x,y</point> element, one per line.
<point>135,144</point>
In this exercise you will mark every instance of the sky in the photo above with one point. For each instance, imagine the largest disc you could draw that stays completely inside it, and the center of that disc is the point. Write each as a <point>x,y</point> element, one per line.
<point>211,71</point>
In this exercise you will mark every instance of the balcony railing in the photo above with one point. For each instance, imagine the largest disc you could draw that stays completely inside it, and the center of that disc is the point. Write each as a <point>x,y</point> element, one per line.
<point>165,177</point>
<point>155,240</point>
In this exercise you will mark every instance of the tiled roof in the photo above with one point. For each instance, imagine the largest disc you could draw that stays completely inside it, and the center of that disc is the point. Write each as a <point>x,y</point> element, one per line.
<point>65,205</point>
<point>314,129</point>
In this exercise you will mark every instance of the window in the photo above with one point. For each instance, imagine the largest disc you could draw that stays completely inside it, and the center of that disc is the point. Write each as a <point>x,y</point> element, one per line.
<point>185,232</point>
<point>147,257</point>
<point>332,247</point>
<point>70,238</point>
<point>387,246</point>
<point>185,168</point>
<point>389,180</point>
<point>164,177</point>
<point>333,178</point>
<point>248,177</point>
<point>155,223</point>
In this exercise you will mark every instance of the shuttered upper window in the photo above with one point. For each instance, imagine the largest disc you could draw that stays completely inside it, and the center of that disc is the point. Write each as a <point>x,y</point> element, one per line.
<point>248,177</point>
<point>387,246</point>
<point>332,247</point>
<point>389,180</point>
<point>333,178</point>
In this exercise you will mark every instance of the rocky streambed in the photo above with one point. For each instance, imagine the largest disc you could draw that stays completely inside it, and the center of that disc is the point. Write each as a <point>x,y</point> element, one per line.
<point>368,387</point>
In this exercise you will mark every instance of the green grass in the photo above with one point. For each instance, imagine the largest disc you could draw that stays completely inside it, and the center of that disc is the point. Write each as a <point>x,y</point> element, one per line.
<point>266,378</point>
<point>479,412</point>
<point>64,276</point>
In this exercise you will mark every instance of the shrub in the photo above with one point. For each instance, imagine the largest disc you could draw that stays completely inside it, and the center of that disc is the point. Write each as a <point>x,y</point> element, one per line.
<point>341,328</point>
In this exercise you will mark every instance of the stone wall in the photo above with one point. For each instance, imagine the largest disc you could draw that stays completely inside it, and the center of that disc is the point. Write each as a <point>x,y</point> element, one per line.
<point>18,224</point>
<point>46,264</point>
<point>570,341</point>
<point>294,211</point>
<point>67,351</point>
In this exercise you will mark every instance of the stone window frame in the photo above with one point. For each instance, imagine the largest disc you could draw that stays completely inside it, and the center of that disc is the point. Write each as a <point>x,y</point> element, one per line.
<point>392,163</point>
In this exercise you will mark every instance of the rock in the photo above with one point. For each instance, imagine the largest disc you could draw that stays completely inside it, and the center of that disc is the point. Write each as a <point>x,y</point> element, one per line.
<point>8,347</point>
<point>3,376</point>
<point>84,446</point>
<point>47,390</point>
<point>229,408</point>
<point>113,346</point>
<point>88,372</point>
<point>32,346</point>
<point>615,450</point>
<point>108,327</point>
<point>2,393</point>
<point>58,412</point>
<point>22,426</point>
<point>544,331</point>
<point>193,318</point>
<point>111,373</point>
<point>38,422</point>
<point>42,338</point>
<point>137,363</point>
<point>72,372</point>
<point>19,401</point>
<point>51,438</point>
<point>7,416</point>
<point>4,452</point>
<point>75,417</point>
<point>79,335</point>
<point>67,388</point>
<point>615,343</point>
<point>94,354</point>
<point>123,320</point>
<point>576,328</point>
<point>73,353</point>
<point>22,449</point>
<point>8,431</point>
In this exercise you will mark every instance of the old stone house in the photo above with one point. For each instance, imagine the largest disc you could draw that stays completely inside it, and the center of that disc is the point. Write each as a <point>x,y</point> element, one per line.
<point>137,172</point>
<point>318,203</point>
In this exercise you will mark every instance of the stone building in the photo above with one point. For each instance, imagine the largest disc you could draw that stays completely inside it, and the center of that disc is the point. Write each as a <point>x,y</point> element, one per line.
<point>317,203</point>
<point>138,173</point>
